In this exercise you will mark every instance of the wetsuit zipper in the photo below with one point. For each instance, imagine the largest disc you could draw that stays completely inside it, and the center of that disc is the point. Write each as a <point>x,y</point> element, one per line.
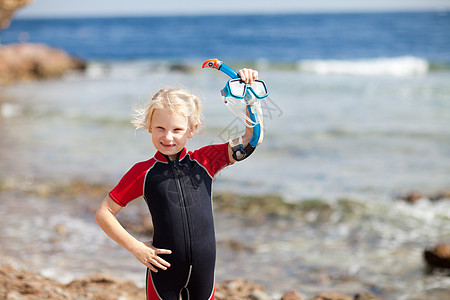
<point>184,211</point>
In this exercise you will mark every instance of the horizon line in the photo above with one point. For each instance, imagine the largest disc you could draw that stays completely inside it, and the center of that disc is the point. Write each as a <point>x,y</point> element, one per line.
<point>19,15</point>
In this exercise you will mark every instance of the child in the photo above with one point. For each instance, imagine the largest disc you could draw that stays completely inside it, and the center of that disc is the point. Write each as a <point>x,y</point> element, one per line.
<point>177,185</point>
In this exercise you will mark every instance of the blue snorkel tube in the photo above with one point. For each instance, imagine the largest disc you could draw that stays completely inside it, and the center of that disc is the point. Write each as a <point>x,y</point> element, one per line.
<point>239,152</point>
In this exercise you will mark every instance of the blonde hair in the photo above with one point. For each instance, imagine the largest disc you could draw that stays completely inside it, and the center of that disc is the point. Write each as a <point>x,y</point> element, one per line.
<point>177,101</point>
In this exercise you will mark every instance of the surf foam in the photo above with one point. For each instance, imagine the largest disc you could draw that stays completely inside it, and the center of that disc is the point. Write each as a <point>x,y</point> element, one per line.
<point>397,66</point>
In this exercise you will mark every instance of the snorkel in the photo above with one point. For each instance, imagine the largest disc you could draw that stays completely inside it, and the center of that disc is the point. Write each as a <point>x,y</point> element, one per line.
<point>252,106</point>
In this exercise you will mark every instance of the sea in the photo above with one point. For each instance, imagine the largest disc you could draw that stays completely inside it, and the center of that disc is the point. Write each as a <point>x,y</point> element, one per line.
<point>358,112</point>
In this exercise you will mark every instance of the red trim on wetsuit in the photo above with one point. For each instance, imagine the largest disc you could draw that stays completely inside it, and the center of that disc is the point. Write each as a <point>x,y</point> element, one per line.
<point>151,291</point>
<point>153,295</point>
<point>130,187</point>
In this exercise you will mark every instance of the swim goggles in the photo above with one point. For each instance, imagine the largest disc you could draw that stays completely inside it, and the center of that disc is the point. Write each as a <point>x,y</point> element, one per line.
<point>237,88</point>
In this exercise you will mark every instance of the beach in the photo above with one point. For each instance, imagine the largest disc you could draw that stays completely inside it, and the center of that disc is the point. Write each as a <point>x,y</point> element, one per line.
<point>257,238</point>
<point>318,207</point>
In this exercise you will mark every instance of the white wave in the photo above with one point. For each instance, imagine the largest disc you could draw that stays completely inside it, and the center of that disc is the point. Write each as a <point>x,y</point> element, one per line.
<point>10,110</point>
<point>397,66</point>
<point>96,70</point>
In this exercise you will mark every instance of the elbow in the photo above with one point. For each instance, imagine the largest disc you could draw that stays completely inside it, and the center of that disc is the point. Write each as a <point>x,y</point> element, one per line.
<point>261,138</point>
<point>98,217</point>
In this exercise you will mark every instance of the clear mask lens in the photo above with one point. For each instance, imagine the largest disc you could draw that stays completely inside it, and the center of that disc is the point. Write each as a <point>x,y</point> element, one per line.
<point>258,88</point>
<point>239,89</point>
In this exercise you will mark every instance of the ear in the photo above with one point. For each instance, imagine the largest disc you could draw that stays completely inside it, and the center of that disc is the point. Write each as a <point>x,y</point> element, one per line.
<point>191,131</point>
<point>150,129</point>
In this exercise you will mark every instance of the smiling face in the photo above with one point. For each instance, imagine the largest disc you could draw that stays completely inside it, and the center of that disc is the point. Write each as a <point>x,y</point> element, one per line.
<point>169,131</point>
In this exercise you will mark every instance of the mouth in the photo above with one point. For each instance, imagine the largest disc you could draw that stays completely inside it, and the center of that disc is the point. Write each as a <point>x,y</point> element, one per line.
<point>167,146</point>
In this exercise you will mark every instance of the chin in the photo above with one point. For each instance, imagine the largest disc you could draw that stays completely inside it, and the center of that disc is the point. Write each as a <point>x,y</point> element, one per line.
<point>171,151</point>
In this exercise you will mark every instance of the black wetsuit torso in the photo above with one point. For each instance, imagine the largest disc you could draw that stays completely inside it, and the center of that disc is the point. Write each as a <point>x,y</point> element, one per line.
<point>178,194</point>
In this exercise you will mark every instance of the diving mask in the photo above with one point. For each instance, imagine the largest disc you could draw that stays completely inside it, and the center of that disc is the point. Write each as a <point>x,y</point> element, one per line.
<point>238,89</point>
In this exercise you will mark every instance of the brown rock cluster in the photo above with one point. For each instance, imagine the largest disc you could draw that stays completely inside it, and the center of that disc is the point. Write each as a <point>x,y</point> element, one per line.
<point>25,285</point>
<point>438,257</point>
<point>416,196</point>
<point>7,9</point>
<point>24,62</point>
<point>332,296</point>
<point>240,289</point>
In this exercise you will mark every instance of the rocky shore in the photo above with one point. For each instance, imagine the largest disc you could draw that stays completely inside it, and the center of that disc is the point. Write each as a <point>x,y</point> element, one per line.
<point>26,62</point>
<point>24,285</point>
<point>8,8</point>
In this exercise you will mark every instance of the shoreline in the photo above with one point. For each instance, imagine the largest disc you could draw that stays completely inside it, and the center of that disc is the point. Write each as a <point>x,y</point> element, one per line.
<point>244,225</point>
<point>26,285</point>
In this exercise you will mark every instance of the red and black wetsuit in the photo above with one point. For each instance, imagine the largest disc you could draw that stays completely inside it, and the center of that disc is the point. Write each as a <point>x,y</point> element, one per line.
<point>178,194</point>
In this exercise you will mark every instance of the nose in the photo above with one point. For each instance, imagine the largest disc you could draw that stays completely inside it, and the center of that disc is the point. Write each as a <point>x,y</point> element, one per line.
<point>168,135</point>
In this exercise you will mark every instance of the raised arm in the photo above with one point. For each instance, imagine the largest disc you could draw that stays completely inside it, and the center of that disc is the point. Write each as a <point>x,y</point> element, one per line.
<point>248,76</point>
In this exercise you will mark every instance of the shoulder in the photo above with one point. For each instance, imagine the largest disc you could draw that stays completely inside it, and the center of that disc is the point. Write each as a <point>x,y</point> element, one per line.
<point>141,167</point>
<point>131,184</point>
<point>212,157</point>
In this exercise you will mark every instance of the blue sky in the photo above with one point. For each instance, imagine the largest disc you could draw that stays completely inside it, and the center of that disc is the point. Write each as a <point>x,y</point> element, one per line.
<point>63,8</point>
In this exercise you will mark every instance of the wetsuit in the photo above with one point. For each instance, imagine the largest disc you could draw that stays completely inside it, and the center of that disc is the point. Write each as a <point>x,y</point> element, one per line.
<point>178,194</point>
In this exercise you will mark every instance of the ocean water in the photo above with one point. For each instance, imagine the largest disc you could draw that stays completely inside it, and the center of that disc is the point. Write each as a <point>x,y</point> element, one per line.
<point>278,38</point>
<point>359,109</point>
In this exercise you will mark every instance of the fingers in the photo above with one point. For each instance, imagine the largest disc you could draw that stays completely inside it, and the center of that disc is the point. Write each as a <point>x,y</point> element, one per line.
<point>248,75</point>
<point>163,251</point>
<point>156,263</point>
<point>152,260</point>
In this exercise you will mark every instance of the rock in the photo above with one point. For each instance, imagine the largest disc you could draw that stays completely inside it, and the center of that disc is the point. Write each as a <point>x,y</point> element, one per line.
<point>236,245</point>
<point>441,196</point>
<point>182,68</point>
<point>7,9</point>
<point>24,62</point>
<point>61,229</point>
<point>291,295</point>
<point>258,295</point>
<point>413,197</point>
<point>24,285</point>
<point>332,296</point>
<point>107,288</point>
<point>238,289</point>
<point>365,296</point>
<point>438,257</point>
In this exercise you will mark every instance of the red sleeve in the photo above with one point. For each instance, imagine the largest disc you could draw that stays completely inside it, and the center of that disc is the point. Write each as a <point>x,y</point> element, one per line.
<point>213,158</point>
<point>131,186</point>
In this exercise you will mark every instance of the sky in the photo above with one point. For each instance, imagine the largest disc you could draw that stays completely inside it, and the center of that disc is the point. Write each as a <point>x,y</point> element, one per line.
<point>89,8</point>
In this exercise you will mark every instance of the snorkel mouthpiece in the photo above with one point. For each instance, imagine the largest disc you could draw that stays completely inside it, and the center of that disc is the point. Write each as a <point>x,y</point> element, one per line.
<point>239,151</point>
<point>214,63</point>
